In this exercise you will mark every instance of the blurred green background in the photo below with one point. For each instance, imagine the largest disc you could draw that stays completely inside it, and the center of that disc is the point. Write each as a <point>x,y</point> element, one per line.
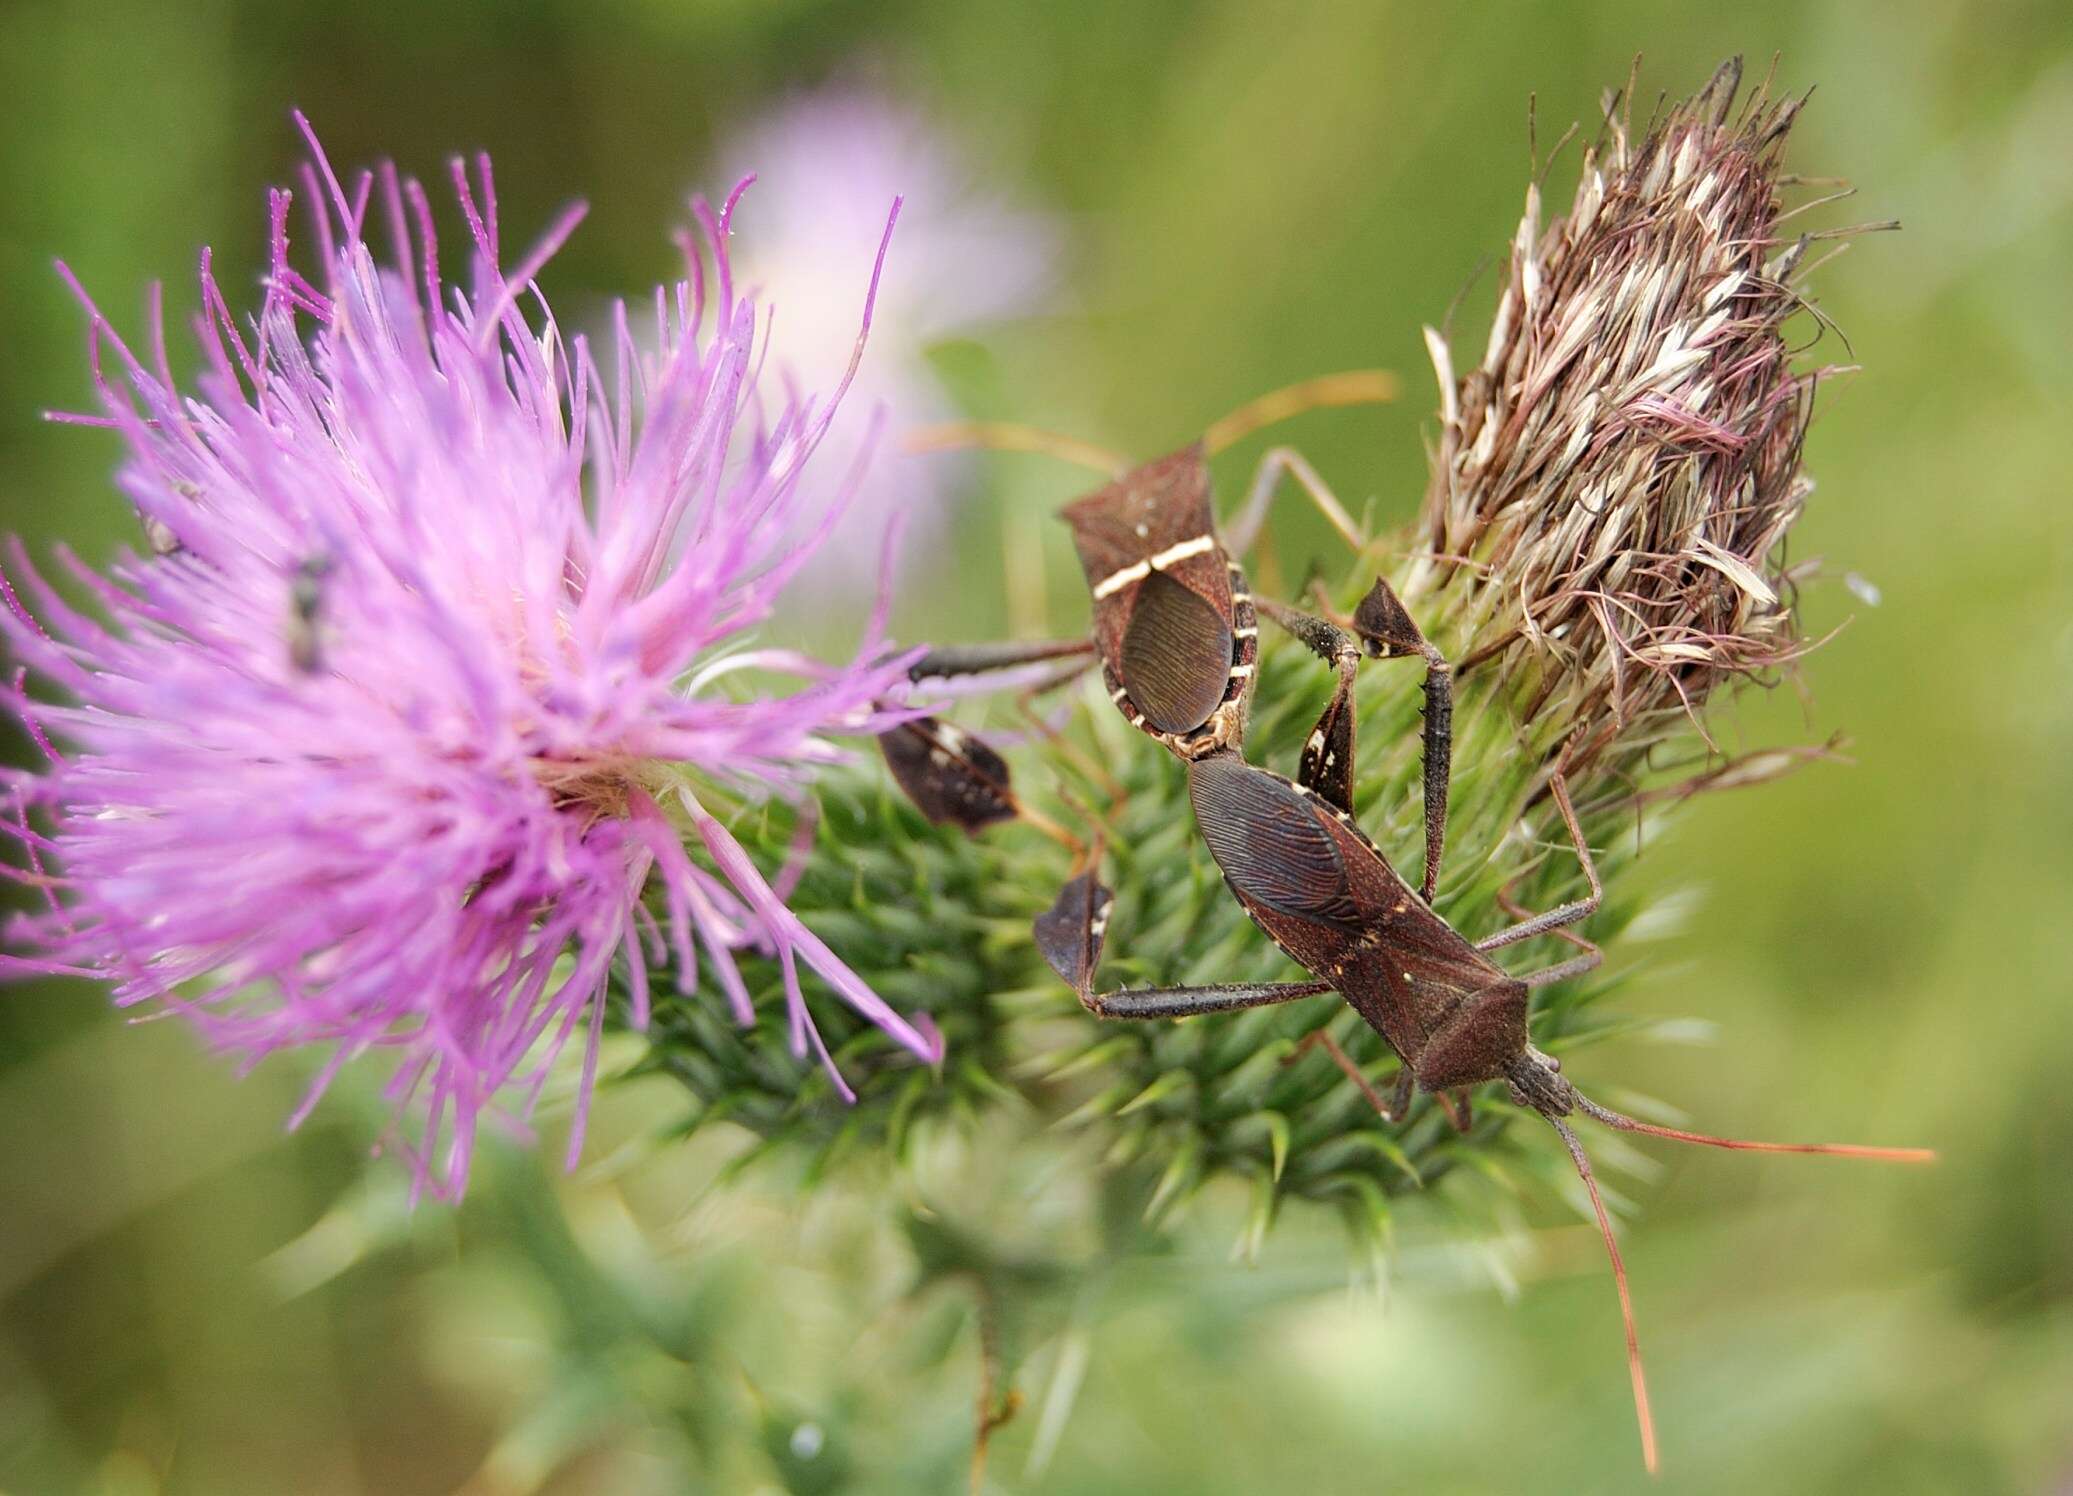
<point>1251,194</point>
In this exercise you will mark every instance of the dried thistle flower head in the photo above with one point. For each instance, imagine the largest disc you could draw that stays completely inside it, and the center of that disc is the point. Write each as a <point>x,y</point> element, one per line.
<point>1616,476</point>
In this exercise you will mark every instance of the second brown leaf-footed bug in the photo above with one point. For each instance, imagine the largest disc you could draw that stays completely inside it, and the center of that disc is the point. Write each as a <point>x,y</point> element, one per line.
<point>953,776</point>
<point>1322,892</point>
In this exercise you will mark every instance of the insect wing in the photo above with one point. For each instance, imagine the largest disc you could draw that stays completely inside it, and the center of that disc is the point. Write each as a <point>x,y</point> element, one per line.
<point>1176,655</point>
<point>1270,842</point>
<point>1156,519</point>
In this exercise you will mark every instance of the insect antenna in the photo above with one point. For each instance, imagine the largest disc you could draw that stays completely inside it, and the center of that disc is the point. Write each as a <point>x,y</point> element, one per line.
<point>1354,387</point>
<point>1619,1279</point>
<point>1625,1123</point>
<point>1011,436</point>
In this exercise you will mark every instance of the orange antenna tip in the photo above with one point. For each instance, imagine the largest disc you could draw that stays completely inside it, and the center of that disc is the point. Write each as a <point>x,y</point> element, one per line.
<point>1642,1415</point>
<point>1625,1123</point>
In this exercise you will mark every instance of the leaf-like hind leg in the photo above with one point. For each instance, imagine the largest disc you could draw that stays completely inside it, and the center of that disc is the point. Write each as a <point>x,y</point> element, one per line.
<point>1070,936</point>
<point>1380,628</point>
<point>1326,766</point>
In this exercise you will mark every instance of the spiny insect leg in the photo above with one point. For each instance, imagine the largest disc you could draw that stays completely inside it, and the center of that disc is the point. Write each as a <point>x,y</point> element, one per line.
<point>1386,628</point>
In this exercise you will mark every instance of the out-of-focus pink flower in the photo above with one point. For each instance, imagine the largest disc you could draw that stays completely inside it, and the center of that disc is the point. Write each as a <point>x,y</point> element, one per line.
<point>434,667</point>
<point>825,164</point>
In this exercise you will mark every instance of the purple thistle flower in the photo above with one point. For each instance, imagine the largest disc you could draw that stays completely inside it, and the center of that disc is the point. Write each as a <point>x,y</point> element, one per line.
<point>434,668</point>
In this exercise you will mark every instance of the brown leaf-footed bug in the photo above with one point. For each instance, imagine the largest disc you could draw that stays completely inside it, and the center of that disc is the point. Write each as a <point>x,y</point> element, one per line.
<point>1174,623</point>
<point>1177,626</point>
<point>1308,877</point>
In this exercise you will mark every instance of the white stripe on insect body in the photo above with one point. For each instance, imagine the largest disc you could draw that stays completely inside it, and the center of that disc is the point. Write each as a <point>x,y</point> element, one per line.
<point>1181,550</point>
<point>1137,571</point>
<point>1116,581</point>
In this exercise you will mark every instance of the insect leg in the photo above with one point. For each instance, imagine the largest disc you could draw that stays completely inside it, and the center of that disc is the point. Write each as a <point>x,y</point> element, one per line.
<point>1566,914</point>
<point>975,659</point>
<point>1394,1108</point>
<point>1244,528</point>
<point>1011,436</point>
<point>1188,1002</point>
<point>1071,933</point>
<point>1354,387</point>
<point>1382,629</point>
<point>953,776</point>
<point>1562,971</point>
<point>1575,966</point>
<point>1326,766</point>
<point>1457,1106</point>
<point>1438,757</point>
<point>1388,632</point>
